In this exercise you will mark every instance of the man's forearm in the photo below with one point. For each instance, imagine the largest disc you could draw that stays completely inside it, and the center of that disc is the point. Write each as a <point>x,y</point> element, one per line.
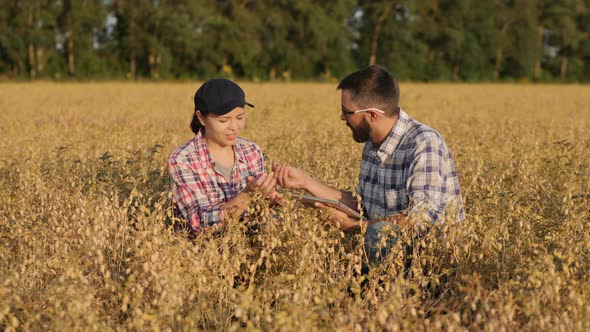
<point>319,189</point>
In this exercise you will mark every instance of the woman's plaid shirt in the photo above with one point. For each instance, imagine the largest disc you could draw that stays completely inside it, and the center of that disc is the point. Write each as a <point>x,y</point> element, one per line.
<point>411,172</point>
<point>201,192</point>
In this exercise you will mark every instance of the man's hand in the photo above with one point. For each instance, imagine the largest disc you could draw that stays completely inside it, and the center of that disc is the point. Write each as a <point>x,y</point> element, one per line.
<point>289,176</point>
<point>340,219</point>
<point>265,184</point>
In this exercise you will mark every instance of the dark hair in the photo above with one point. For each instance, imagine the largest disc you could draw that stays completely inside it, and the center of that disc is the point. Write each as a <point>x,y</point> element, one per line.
<point>196,124</point>
<point>373,86</point>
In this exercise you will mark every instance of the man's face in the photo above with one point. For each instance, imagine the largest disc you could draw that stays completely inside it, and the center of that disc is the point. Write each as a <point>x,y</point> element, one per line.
<point>357,122</point>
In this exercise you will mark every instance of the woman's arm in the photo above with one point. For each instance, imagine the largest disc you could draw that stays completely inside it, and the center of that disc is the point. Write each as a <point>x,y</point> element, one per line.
<point>190,194</point>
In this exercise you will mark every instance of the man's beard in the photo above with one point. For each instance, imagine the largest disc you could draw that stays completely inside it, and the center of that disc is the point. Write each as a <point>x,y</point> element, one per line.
<point>360,134</point>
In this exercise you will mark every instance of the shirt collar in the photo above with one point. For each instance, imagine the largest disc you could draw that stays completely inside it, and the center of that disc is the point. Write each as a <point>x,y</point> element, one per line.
<point>394,137</point>
<point>204,155</point>
<point>239,151</point>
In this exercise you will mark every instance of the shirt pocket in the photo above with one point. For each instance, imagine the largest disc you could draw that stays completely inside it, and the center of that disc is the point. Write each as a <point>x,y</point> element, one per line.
<point>391,177</point>
<point>396,201</point>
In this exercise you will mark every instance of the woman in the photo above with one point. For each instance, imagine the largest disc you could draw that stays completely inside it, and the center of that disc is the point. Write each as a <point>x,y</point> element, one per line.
<point>213,175</point>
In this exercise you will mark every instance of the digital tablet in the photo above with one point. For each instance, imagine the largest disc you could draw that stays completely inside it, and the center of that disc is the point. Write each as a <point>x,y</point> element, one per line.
<point>308,199</point>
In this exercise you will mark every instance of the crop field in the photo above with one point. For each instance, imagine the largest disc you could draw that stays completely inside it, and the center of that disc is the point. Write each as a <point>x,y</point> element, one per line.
<point>86,241</point>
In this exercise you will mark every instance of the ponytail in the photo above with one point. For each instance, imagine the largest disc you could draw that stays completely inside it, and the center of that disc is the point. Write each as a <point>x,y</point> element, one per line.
<point>196,124</point>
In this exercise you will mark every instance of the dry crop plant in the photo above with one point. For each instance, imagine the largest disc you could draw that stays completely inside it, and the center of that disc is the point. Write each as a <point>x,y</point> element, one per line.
<point>86,241</point>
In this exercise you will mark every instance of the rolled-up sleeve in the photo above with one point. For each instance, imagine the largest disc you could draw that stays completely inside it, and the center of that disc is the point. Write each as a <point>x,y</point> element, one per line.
<point>190,194</point>
<point>426,185</point>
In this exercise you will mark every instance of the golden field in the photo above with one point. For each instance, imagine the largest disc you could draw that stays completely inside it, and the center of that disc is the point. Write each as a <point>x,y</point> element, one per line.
<point>86,241</point>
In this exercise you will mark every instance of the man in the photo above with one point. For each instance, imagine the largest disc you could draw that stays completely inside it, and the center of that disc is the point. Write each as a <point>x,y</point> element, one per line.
<point>406,170</point>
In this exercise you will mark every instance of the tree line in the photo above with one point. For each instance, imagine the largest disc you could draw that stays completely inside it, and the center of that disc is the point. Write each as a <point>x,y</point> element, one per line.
<point>422,40</point>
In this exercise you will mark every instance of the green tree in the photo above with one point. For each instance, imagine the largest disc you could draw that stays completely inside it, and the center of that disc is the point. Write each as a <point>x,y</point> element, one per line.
<point>130,34</point>
<point>503,21</point>
<point>519,49</point>
<point>563,35</point>
<point>12,42</point>
<point>391,33</point>
<point>29,37</point>
<point>304,39</point>
<point>79,22</point>
<point>580,60</point>
<point>556,28</point>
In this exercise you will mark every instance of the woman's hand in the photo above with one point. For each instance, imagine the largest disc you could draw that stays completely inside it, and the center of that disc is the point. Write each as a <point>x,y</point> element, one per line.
<point>265,184</point>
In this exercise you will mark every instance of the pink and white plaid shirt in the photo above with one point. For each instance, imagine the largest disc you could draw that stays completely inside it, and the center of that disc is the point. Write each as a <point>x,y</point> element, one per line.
<point>199,190</point>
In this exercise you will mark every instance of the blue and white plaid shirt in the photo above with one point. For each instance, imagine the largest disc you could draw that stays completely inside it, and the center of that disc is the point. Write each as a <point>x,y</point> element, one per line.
<point>411,172</point>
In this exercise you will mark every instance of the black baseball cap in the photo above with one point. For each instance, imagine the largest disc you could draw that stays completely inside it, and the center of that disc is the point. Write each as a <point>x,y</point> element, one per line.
<point>219,96</point>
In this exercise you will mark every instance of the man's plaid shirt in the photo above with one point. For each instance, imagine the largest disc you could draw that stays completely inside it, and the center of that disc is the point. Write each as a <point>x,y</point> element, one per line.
<point>411,172</point>
<point>199,190</point>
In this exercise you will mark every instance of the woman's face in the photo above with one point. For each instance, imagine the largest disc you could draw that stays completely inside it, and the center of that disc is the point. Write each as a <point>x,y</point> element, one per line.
<point>224,129</point>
